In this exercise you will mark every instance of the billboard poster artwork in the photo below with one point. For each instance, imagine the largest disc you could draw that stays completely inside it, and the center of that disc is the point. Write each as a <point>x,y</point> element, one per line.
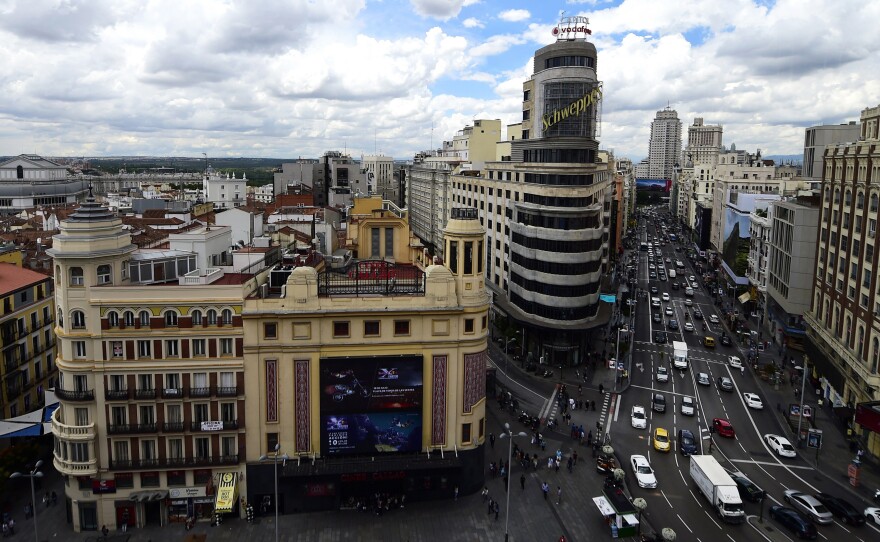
<point>380,432</point>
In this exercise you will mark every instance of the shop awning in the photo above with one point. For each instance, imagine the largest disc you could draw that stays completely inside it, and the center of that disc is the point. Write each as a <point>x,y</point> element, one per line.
<point>145,496</point>
<point>227,492</point>
<point>746,297</point>
<point>604,506</point>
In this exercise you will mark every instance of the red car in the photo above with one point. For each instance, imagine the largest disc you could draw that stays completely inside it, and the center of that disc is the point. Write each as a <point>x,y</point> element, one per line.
<point>723,427</point>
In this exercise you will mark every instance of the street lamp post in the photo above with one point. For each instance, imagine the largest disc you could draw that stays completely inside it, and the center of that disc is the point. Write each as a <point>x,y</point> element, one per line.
<point>640,504</point>
<point>276,455</point>
<point>36,473</point>
<point>803,370</point>
<point>508,434</point>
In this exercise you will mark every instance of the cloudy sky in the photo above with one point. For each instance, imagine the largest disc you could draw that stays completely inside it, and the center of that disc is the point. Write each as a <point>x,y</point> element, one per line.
<point>287,78</point>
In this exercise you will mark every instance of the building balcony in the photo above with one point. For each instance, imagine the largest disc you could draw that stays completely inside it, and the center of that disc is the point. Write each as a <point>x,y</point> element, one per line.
<point>176,462</point>
<point>145,394</point>
<point>117,395</point>
<point>173,427</point>
<point>214,426</point>
<point>75,468</point>
<point>172,393</point>
<point>71,432</point>
<point>227,391</point>
<point>200,392</point>
<point>131,428</point>
<point>75,395</point>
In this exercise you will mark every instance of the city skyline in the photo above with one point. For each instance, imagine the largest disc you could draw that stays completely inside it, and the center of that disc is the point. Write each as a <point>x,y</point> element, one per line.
<point>298,78</point>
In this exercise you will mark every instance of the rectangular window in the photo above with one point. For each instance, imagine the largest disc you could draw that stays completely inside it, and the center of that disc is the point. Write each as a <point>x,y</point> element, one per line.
<point>172,381</point>
<point>468,325</point>
<point>371,328</point>
<point>81,416</point>
<point>79,349</point>
<point>270,330</point>
<point>468,258</point>
<point>144,349</point>
<point>145,382</point>
<point>226,347</point>
<point>124,480</point>
<point>453,256</point>
<point>172,348</point>
<point>174,413</point>
<point>120,450</point>
<point>175,448</point>
<point>389,242</point>
<point>147,415</point>
<point>200,412</point>
<point>466,433</point>
<point>199,347</point>
<point>341,329</point>
<point>227,412</point>
<point>271,441</point>
<point>176,477</point>
<point>375,240</point>
<point>401,327</point>
<point>148,450</point>
<point>203,448</point>
<point>228,447</point>
<point>149,479</point>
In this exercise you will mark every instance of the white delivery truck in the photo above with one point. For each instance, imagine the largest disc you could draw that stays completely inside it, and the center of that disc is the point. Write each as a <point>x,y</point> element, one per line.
<point>716,484</point>
<point>671,273</point>
<point>679,354</point>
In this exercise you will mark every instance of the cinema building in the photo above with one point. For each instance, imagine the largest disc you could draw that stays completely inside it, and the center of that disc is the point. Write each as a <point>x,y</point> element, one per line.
<point>371,380</point>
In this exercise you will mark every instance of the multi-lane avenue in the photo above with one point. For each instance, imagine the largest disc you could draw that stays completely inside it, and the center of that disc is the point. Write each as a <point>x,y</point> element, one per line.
<point>697,317</point>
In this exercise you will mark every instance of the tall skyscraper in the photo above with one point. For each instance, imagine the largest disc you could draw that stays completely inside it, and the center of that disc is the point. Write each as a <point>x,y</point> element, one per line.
<point>665,147</point>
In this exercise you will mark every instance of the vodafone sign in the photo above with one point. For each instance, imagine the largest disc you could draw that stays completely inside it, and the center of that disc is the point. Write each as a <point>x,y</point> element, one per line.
<point>570,28</point>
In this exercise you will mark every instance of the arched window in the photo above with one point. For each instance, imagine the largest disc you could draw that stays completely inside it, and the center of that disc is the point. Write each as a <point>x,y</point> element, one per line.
<point>875,203</point>
<point>78,320</point>
<point>227,317</point>
<point>19,172</point>
<point>76,276</point>
<point>197,318</point>
<point>212,317</point>
<point>849,333</point>
<point>171,318</point>
<point>58,276</point>
<point>847,198</point>
<point>836,195</point>
<point>128,318</point>
<point>860,200</point>
<point>113,318</point>
<point>104,276</point>
<point>861,345</point>
<point>144,318</point>
<point>876,356</point>
<point>60,317</point>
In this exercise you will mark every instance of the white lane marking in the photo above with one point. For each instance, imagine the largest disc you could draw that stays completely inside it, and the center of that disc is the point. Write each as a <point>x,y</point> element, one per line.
<point>616,411</point>
<point>683,522</point>
<point>550,402</point>
<point>665,497</point>
<point>711,518</point>
<point>757,530</point>
<point>772,464</point>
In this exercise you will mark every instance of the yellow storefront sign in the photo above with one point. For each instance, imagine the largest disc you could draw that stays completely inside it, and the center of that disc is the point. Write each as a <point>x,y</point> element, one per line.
<point>227,492</point>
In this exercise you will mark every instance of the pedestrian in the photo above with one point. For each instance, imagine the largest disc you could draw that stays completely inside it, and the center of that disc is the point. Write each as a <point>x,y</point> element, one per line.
<point>125,520</point>
<point>485,493</point>
<point>46,499</point>
<point>11,526</point>
<point>574,456</point>
<point>105,531</point>
<point>497,509</point>
<point>601,389</point>
<point>556,465</point>
<point>545,488</point>
<point>491,506</point>
<point>28,510</point>
<point>455,492</point>
<point>558,494</point>
<point>593,405</point>
<point>522,482</point>
<point>570,464</point>
<point>549,463</point>
<point>491,440</point>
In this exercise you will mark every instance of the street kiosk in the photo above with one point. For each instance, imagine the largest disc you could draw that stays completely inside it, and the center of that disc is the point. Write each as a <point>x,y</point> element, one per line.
<point>619,513</point>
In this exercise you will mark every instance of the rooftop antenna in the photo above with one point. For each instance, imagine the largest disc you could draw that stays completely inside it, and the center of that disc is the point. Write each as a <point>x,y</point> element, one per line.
<point>432,135</point>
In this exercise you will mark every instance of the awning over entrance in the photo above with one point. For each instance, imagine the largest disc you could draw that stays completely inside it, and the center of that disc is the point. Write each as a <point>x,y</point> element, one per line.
<point>745,298</point>
<point>227,492</point>
<point>145,496</point>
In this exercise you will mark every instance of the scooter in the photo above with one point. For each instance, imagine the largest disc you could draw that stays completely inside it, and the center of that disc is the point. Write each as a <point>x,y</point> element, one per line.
<point>877,496</point>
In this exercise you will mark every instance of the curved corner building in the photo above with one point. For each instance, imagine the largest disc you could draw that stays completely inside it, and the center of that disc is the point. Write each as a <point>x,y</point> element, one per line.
<point>550,246</point>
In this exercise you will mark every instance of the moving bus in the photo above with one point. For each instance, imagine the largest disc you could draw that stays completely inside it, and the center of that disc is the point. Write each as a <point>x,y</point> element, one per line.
<point>643,247</point>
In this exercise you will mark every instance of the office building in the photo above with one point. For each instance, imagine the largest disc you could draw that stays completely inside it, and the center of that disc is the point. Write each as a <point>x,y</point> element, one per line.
<point>703,143</point>
<point>664,147</point>
<point>816,139</point>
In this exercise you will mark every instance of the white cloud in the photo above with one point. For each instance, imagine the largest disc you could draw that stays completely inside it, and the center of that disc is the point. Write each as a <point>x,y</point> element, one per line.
<point>514,15</point>
<point>473,22</point>
<point>438,9</point>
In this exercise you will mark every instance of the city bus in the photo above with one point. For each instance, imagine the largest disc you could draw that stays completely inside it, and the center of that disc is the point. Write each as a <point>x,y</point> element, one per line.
<point>643,247</point>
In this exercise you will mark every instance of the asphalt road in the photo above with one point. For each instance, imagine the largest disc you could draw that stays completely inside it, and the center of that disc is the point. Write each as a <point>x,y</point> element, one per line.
<point>676,499</point>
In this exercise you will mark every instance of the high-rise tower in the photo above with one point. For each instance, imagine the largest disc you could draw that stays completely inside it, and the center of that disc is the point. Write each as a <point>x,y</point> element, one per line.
<point>665,146</point>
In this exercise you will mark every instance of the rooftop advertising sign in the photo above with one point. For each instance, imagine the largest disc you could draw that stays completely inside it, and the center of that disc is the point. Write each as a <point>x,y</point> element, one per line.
<point>570,28</point>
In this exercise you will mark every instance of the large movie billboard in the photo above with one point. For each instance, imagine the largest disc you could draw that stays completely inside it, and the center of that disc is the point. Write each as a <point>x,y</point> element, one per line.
<point>654,185</point>
<point>371,404</point>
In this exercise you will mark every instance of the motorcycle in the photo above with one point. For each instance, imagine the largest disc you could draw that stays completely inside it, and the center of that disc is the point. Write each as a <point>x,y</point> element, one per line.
<point>877,496</point>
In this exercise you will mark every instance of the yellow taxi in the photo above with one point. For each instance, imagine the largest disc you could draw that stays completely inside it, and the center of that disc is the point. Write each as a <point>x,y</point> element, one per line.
<point>661,440</point>
<point>709,342</point>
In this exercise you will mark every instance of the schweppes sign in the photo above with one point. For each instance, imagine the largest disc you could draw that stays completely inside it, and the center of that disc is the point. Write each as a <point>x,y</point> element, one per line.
<point>573,109</point>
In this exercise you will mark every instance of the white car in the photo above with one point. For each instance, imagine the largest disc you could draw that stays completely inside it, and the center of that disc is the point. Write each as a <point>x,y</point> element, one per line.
<point>809,505</point>
<point>753,401</point>
<point>688,326</point>
<point>692,278</point>
<point>713,318</point>
<point>780,445</point>
<point>655,301</point>
<point>734,362</point>
<point>665,296</point>
<point>872,515</point>
<point>688,302</point>
<point>668,311</point>
<point>703,379</point>
<point>643,471</point>
<point>687,406</point>
<point>662,374</point>
<point>638,418</point>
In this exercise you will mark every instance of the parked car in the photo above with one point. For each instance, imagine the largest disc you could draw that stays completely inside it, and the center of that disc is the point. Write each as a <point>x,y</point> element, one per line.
<point>748,490</point>
<point>753,401</point>
<point>841,509</point>
<point>687,443</point>
<point>687,406</point>
<point>780,445</point>
<point>723,427</point>
<point>808,505</point>
<point>794,521</point>
<point>725,383</point>
<point>643,472</point>
<point>638,419</point>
